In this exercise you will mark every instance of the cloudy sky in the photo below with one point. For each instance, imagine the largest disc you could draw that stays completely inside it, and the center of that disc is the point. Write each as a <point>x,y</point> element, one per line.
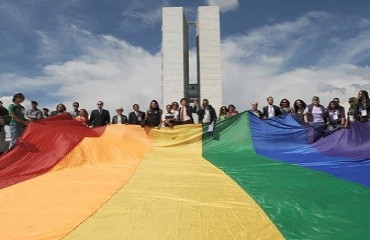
<point>88,50</point>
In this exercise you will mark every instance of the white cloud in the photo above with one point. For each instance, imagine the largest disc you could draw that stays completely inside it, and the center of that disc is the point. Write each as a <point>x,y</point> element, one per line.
<point>141,15</point>
<point>225,5</point>
<point>287,60</point>
<point>110,70</point>
<point>292,60</point>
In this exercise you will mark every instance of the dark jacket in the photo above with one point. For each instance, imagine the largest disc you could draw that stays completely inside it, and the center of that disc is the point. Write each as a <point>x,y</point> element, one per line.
<point>153,117</point>
<point>257,113</point>
<point>133,119</point>
<point>99,119</point>
<point>265,111</point>
<point>189,111</point>
<point>123,119</point>
<point>323,110</point>
<point>212,112</point>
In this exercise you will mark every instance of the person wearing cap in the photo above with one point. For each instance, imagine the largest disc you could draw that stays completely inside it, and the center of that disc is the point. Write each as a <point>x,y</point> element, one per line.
<point>34,113</point>
<point>119,118</point>
<point>352,114</point>
<point>75,111</point>
<point>45,111</point>
<point>18,122</point>
<point>315,114</point>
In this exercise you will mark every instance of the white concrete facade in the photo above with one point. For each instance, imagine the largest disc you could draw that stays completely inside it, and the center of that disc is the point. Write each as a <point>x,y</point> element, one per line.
<point>175,54</point>
<point>209,55</point>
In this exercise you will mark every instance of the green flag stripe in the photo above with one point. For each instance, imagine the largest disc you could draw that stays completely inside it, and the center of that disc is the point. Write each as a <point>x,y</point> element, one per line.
<point>303,203</point>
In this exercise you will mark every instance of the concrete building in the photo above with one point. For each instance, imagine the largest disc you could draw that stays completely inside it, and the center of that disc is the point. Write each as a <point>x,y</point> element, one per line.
<point>209,55</point>
<point>175,56</point>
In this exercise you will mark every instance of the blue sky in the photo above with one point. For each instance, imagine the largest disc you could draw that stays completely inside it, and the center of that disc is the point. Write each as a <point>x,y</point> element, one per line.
<point>109,50</point>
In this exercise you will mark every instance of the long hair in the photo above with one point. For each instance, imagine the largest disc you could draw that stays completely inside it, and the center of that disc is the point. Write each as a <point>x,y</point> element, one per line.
<point>295,106</point>
<point>365,93</point>
<point>150,105</point>
<point>18,95</point>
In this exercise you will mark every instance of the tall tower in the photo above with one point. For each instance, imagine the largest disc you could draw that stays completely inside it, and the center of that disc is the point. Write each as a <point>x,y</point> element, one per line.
<point>175,56</point>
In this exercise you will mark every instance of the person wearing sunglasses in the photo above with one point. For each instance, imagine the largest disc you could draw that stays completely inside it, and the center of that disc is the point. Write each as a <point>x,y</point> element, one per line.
<point>99,117</point>
<point>75,111</point>
<point>223,113</point>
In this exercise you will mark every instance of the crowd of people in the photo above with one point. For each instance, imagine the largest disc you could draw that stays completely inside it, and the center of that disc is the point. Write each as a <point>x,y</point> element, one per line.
<point>321,118</point>
<point>17,117</point>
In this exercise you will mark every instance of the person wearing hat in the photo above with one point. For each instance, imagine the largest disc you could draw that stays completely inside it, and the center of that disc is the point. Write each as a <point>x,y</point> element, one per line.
<point>34,113</point>
<point>119,118</point>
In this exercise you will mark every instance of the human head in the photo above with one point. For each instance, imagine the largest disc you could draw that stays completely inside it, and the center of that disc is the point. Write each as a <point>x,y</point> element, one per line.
<point>100,104</point>
<point>76,105</point>
<point>352,101</point>
<point>332,105</point>
<point>45,111</point>
<point>83,113</point>
<point>315,100</point>
<point>231,108</point>
<point>270,100</point>
<point>336,100</point>
<point>284,103</point>
<point>205,102</point>
<point>299,103</point>
<point>363,95</point>
<point>154,104</point>
<point>136,107</point>
<point>184,102</point>
<point>175,105</point>
<point>223,110</point>
<point>1,103</point>
<point>18,98</point>
<point>168,108</point>
<point>34,104</point>
<point>61,108</point>
<point>254,105</point>
<point>119,110</point>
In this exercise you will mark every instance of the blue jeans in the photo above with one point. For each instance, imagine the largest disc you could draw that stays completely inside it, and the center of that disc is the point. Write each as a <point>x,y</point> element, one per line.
<point>15,132</point>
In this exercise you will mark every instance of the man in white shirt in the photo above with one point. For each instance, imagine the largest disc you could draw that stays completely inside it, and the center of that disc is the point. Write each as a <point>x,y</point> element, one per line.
<point>271,110</point>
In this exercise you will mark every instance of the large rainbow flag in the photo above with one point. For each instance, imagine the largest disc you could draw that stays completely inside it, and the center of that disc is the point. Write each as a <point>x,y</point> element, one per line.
<point>248,179</point>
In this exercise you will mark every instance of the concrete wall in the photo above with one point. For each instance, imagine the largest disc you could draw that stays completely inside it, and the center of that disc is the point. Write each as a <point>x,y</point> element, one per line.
<point>209,55</point>
<point>175,54</point>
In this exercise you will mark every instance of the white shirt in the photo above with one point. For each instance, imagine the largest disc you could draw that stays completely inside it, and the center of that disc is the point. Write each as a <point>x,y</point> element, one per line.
<point>119,117</point>
<point>207,116</point>
<point>271,111</point>
<point>317,114</point>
